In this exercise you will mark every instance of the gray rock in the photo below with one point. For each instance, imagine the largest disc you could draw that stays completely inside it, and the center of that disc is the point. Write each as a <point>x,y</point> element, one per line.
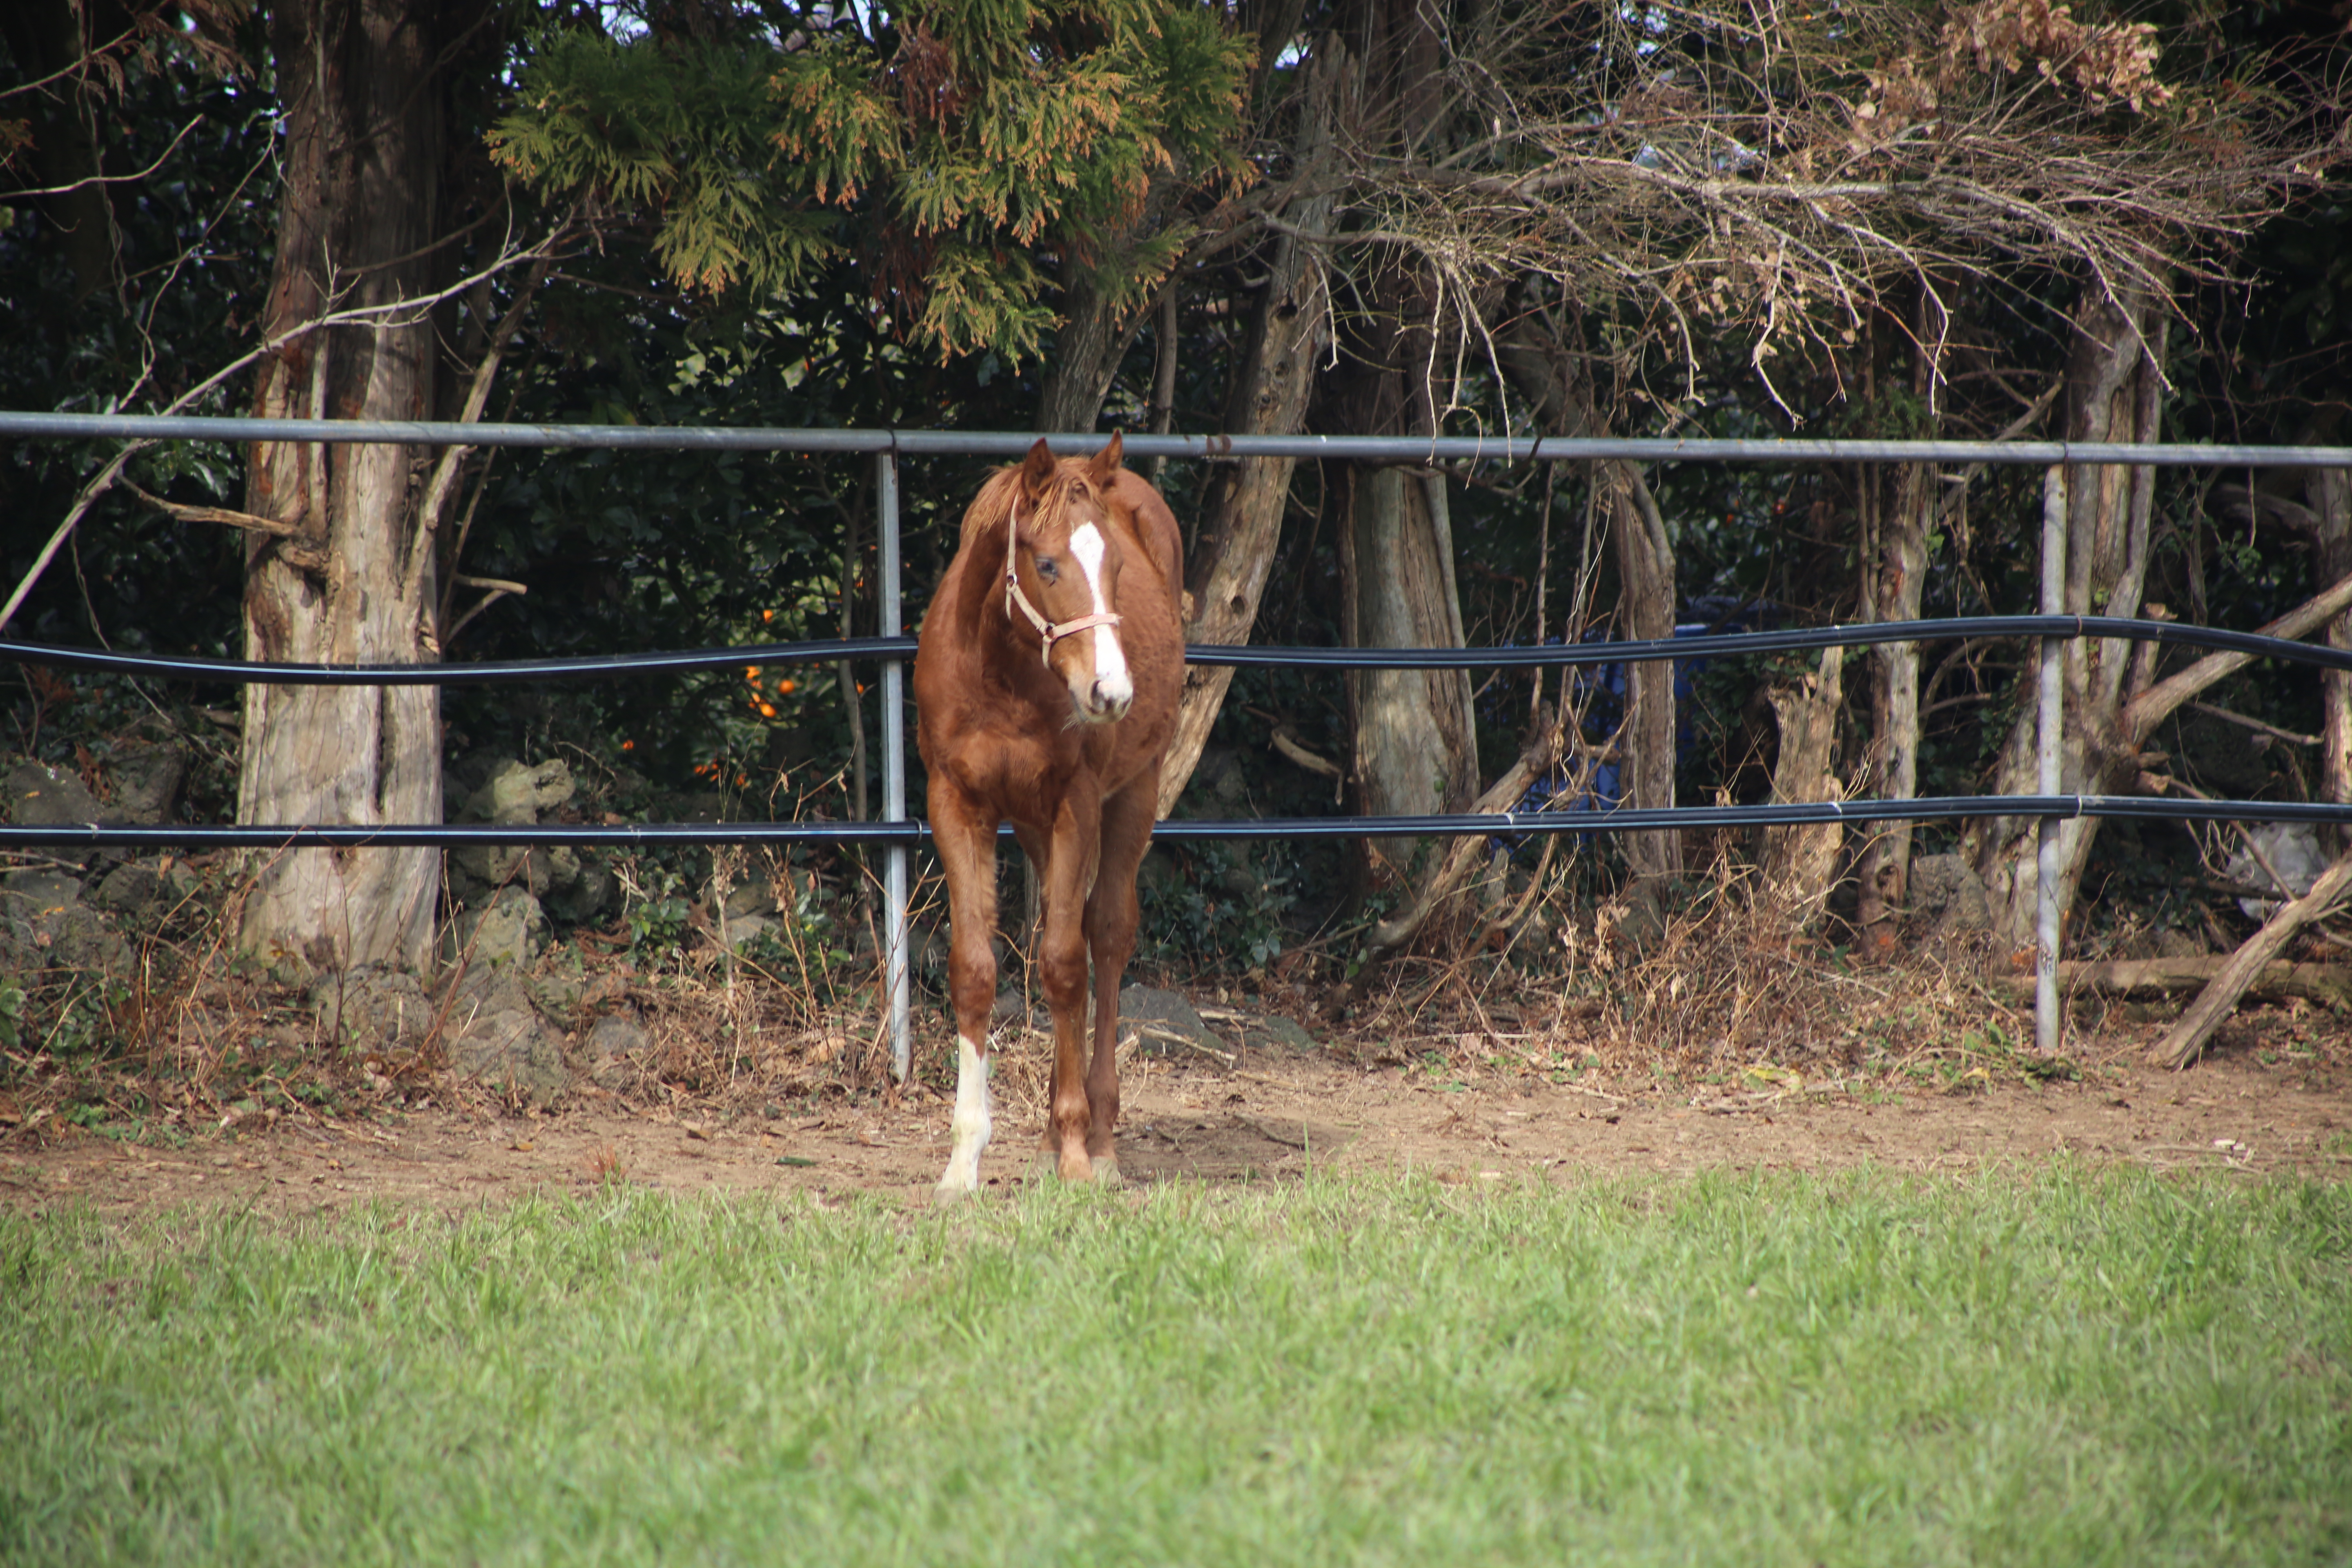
<point>744,930</point>
<point>1946,895</point>
<point>130,888</point>
<point>88,942</point>
<point>507,935</point>
<point>480,869</point>
<point>556,867</point>
<point>493,1033</point>
<point>573,889</point>
<point>2174,942</point>
<point>43,796</point>
<point>558,993</point>
<point>2291,848</point>
<point>46,925</point>
<point>146,776</point>
<point>615,1035</point>
<point>372,1008</point>
<point>1152,1016</point>
<point>20,952</point>
<point>43,893</point>
<point>583,897</point>
<point>518,792</point>
<point>756,897</point>
<point>514,792</point>
<point>136,887</point>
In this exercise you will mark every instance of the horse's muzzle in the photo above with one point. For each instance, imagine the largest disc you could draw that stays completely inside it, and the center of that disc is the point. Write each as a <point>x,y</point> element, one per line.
<point>1107,700</point>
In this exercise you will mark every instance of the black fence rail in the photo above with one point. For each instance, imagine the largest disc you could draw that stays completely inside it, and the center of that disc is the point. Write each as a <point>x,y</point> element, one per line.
<point>1619,820</point>
<point>1244,656</point>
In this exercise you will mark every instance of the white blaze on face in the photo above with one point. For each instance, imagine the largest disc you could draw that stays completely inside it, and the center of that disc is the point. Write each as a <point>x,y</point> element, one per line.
<point>971,1125</point>
<point>1111,677</point>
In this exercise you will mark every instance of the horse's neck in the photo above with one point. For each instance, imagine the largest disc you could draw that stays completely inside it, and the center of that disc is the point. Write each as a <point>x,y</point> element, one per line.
<point>980,599</point>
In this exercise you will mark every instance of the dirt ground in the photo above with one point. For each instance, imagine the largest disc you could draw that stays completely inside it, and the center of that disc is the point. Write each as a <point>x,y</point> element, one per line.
<point>1266,1116</point>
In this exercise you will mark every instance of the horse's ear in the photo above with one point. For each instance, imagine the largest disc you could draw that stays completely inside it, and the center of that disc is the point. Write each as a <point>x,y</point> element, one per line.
<point>1105,462</point>
<point>1037,470</point>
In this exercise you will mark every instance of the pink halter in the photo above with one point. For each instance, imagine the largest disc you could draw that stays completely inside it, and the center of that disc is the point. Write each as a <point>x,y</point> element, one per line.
<point>1014,598</point>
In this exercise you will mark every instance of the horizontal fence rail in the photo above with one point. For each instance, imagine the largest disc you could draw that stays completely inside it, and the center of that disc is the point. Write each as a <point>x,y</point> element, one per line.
<point>1209,448</point>
<point>1239,655</point>
<point>1500,824</point>
<point>885,448</point>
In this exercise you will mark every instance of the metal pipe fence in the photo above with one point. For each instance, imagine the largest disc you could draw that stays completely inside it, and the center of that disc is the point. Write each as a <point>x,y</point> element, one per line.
<point>1209,449</point>
<point>896,832</point>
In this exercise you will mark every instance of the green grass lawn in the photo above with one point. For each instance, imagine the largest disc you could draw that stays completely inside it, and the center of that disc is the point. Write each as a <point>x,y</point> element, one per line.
<point>2057,1367</point>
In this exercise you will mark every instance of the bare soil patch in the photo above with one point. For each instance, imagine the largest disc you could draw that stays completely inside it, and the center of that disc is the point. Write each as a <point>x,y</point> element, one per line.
<point>2274,1099</point>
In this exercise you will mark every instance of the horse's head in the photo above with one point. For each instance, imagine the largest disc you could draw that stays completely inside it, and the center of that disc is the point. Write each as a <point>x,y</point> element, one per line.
<point>1061,576</point>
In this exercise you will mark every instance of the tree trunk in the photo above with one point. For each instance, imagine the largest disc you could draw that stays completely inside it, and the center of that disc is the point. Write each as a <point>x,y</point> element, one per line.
<point>1416,748</point>
<point>1086,353</point>
<point>1415,743</point>
<point>2113,382</point>
<point>2187,1038</point>
<point>1095,329</point>
<point>2329,492</point>
<point>2330,984</point>
<point>1893,565</point>
<point>1243,503</point>
<point>1645,577</point>
<point>2325,519</point>
<point>53,39</point>
<point>1897,503</point>
<point>362,155</point>
<point>1799,863</point>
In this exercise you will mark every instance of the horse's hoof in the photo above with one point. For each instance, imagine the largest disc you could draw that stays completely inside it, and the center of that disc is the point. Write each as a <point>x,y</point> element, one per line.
<point>1054,1165</point>
<point>947,1194</point>
<point>1107,1172</point>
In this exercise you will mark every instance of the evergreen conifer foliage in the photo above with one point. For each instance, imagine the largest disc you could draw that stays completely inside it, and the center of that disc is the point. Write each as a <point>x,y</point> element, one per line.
<point>959,150</point>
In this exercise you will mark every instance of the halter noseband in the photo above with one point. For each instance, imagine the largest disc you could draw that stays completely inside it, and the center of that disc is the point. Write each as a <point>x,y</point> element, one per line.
<point>1015,599</point>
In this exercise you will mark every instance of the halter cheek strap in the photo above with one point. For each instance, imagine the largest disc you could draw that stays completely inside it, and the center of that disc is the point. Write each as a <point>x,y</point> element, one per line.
<point>1014,598</point>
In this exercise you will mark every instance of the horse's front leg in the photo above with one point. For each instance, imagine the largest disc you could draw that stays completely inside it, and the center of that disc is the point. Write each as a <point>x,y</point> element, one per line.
<point>966,841</point>
<point>1112,915</point>
<point>1062,965</point>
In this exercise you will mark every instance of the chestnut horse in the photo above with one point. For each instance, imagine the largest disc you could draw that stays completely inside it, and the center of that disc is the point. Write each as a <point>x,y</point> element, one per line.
<point>1046,685</point>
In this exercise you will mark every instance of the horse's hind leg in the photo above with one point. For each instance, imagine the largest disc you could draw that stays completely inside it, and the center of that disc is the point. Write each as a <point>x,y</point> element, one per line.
<point>1111,917</point>
<point>967,850</point>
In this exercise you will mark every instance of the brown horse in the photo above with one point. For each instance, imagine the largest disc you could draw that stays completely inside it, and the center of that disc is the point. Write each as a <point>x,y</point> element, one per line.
<point>1047,684</point>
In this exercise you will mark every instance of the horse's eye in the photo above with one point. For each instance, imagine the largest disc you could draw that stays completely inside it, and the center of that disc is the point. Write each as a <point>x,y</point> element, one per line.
<point>1046,569</point>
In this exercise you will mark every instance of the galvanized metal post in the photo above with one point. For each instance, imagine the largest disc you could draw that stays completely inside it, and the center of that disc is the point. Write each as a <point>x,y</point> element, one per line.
<point>894,767</point>
<point>2051,734</point>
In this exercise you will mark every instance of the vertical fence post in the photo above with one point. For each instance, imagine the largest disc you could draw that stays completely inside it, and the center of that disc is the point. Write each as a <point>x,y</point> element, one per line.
<point>893,765</point>
<point>2050,736</point>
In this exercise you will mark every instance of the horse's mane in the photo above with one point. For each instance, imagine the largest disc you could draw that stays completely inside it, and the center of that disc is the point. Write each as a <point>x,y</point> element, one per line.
<point>994,504</point>
<point>989,508</point>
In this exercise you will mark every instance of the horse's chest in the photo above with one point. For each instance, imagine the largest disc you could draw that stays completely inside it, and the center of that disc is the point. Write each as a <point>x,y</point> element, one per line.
<point>1015,765</point>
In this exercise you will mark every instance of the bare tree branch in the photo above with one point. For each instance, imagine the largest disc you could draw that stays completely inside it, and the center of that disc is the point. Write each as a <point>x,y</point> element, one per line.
<point>111,179</point>
<point>416,305</point>
<point>183,513</point>
<point>2153,706</point>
